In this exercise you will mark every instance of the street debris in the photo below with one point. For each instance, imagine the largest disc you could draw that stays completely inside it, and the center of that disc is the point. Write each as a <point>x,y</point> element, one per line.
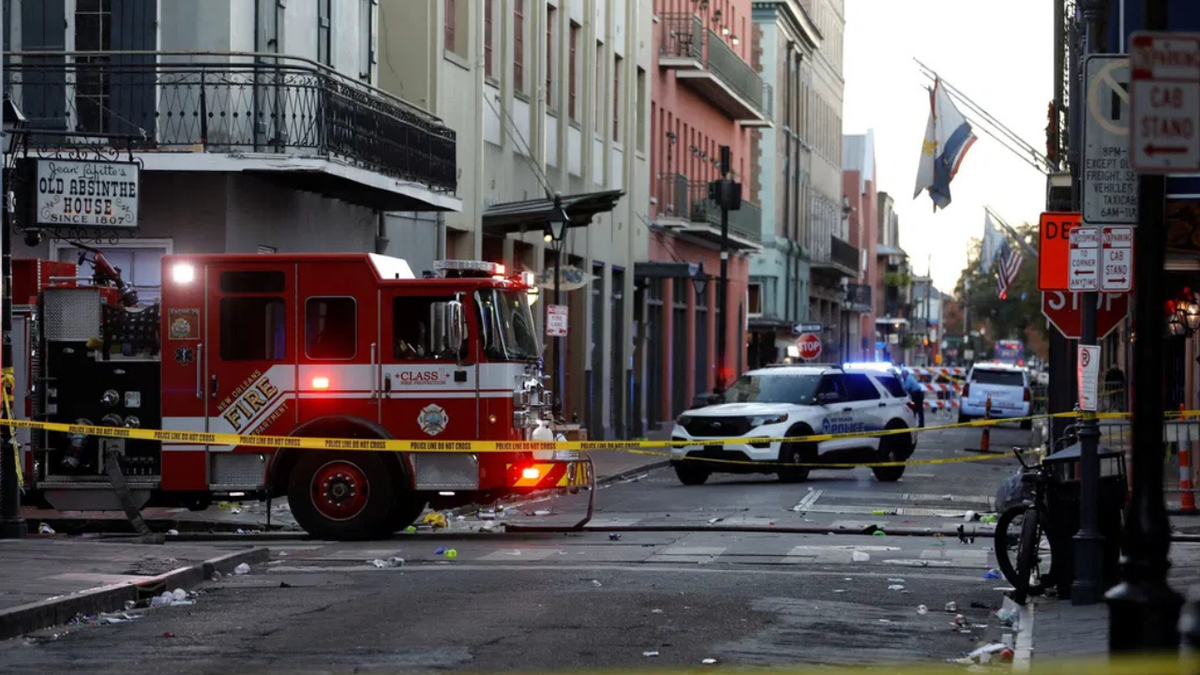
<point>986,654</point>
<point>541,512</point>
<point>614,536</point>
<point>45,528</point>
<point>596,583</point>
<point>896,587</point>
<point>241,569</point>
<point>435,520</point>
<point>650,654</point>
<point>708,662</point>
<point>992,574</point>
<point>656,611</point>
<point>216,576</point>
<point>860,556</point>
<point>451,554</point>
<point>839,590</point>
<point>284,584</point>
<point>969,516</point>
<point>895,581</point>
<point>173,532</point>
<point>951,607</point>
<point>1009,613</point>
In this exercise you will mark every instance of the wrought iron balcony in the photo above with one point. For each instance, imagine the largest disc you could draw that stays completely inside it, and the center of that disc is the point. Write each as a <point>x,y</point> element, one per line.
<point>230,103</point>
<point>671,191</point>
<point>858,297</point>
<point>705,63</point>
<point>836,256</point>
<point>745,224</point>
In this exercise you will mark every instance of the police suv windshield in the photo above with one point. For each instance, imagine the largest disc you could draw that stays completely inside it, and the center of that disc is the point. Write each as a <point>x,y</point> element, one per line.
<point>773,388</point>
<point>506,325</point>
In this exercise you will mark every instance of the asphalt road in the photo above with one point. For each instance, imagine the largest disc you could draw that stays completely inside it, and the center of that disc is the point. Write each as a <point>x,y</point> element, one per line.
<point>552,602</point>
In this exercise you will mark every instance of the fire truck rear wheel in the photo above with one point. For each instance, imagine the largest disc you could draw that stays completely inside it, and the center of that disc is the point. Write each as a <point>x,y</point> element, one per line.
<point>340,495</point>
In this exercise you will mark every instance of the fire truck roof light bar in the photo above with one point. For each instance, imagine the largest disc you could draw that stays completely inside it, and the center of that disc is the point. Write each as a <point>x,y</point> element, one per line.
<point>464,268</point>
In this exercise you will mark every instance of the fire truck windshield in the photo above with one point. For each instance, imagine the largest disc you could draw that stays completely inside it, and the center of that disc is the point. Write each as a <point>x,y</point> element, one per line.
<point>506,325</point>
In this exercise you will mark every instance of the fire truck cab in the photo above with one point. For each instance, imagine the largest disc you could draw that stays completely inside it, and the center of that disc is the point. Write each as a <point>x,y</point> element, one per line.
<point>312,345</point>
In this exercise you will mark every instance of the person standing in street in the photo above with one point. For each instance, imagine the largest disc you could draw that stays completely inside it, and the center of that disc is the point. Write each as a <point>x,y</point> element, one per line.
<point>916,392</point>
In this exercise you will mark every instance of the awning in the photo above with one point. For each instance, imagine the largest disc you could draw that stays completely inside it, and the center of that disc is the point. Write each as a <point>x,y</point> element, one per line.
<point>883,249</point>
<point>532,215</point>
<point>665,270</point>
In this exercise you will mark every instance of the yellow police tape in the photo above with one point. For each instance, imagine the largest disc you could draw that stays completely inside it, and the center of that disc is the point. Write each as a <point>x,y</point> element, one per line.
<point>641,447</point>
<point>1150,664</point>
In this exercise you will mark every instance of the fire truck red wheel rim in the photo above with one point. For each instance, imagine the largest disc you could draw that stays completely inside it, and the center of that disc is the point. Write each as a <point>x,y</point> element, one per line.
<point>340,490</point>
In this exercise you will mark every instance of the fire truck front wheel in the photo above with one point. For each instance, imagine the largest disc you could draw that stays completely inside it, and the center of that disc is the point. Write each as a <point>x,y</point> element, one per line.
<point>340,495</point>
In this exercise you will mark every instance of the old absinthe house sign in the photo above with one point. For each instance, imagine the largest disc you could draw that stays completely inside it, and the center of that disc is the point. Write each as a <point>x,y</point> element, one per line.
<point>87,194</point>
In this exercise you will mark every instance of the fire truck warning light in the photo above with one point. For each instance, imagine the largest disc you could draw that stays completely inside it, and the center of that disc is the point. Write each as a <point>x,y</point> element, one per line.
<point>183,274</point>
<point>320,383</point>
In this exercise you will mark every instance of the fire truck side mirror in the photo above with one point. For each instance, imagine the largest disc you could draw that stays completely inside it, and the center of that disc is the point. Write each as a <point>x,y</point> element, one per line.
<point>455,325</point>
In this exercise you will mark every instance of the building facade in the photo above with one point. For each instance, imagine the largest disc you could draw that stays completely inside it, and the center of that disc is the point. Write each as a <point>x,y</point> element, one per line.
<point>256,126</point>
<point>859,183</point>
<point>549,98</point>
<point>707,92</point>
<point>779,276</point>
<point>926,322</point>
<point>894,297</point>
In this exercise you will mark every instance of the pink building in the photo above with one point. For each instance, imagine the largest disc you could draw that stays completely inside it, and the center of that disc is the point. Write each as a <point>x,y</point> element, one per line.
<point>859,187</point>
<point>705,93</point>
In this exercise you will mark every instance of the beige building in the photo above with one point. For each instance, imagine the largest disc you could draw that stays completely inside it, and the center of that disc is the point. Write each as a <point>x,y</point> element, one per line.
<point>546,96</point>
<point>832,258</point>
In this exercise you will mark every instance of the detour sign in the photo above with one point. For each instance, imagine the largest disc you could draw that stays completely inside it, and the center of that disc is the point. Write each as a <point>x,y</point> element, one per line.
<point>1054,249</point>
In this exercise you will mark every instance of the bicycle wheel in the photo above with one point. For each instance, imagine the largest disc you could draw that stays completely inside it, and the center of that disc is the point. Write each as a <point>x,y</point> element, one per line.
<point>1006,539</point>
<point>1030,557</point>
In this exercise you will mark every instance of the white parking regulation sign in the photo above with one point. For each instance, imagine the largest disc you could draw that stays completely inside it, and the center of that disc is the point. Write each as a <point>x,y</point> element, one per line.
<point>1116,258</point>
<point>1083,271</point>
<point>1165,87</point>
<point>1088,377</point>
<point>1109,181</point>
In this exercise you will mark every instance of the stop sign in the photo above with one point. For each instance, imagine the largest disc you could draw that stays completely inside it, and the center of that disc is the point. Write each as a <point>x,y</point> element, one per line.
<point>1063,308</point>
<point>810,346</point>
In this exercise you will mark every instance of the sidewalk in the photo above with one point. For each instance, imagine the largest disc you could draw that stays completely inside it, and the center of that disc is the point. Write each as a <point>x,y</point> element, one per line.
<point>48,580</point>
<point>1059,630</point>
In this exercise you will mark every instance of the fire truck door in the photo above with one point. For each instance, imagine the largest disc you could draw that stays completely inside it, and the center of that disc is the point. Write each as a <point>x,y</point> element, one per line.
<point>250,358</point>
<point>427,395</point>
<point>339,341</point>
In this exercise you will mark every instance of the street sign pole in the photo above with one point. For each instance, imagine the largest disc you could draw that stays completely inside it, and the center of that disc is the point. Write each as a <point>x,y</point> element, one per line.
<point>1143,610</point>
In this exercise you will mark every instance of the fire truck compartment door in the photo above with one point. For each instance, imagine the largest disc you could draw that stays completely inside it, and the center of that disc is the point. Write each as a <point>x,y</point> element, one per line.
<point>250,372</point>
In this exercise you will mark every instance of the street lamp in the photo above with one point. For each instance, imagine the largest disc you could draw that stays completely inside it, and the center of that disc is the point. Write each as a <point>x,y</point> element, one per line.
<point>12,524</point>
<point>556,228</point>
<point>700,280</point>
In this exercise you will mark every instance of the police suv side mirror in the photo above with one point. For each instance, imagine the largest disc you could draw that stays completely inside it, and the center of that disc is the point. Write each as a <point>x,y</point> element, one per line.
<point>455,325</point>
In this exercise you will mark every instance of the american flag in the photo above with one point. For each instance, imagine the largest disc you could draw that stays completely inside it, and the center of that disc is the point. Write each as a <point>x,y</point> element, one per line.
<point>1010,265</point>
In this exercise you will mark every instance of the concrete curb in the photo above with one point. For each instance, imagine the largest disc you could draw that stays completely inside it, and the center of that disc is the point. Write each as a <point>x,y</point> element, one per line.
<point>60,610</point>
<point>1023,649</point>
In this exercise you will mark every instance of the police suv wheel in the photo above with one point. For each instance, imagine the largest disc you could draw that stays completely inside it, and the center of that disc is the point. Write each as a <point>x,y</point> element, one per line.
<point>792,453</point>
<point>341,495</point>
<point>691,472</point>
<point>893,448</point>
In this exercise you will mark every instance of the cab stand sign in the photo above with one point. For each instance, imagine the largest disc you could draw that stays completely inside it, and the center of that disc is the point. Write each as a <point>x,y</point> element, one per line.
<point>83,195</point>
<point>1166,102</point>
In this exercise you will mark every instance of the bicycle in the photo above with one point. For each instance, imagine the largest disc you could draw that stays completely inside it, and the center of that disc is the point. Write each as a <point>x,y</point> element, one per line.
<point>1032,544</point>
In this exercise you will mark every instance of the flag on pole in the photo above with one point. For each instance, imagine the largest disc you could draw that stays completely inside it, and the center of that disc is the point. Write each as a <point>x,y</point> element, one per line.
<point>1010,266</point>
<point>993,242</point>
<point>948,136</point>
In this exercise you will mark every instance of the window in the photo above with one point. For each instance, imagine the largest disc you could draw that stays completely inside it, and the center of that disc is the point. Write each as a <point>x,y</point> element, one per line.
<point>773,388</point>
<point>1006,378</point>
<point>253,329</point>
<point>140,264</point>
<point>893,386</point>
<point>449,23</point>
<point>755,292</point>
<point>93,33</point>
<point>487,39</point>
<point>330,328</point>
<point>861,387</point>
<point>324,40</point>
<point>519,45</point>
<point>639,109</point>
<point>573,76</point>
<point>617,99</point>
<point>551,19</point>
<point>367,39</point>
<point>598,109</point>
<point>833,384</point>
<point>252,282</point>
<point>419,329</point>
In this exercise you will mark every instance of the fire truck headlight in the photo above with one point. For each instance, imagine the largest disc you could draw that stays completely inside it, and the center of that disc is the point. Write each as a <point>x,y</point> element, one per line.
<point>110,398</point>
<point>183,274</point>
<point>132,422</point>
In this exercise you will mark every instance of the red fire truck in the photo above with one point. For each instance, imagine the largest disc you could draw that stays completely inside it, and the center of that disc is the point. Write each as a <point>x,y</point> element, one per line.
<point>321,345</point>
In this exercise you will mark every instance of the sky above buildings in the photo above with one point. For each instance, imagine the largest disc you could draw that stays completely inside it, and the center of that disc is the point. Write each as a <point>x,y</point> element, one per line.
<point>1001,55</point>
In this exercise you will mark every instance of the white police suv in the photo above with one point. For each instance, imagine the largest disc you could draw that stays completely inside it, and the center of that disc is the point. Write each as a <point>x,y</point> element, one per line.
<point>1006,386</point>
<point>791,401</point>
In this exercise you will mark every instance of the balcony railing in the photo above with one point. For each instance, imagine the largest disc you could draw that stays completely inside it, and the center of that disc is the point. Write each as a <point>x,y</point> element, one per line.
<point>687,44</point>
<point>842,253</point>
<point>671,190</point>
<point>745,223</point>
<point>858,296</point>
<point>230,103</point>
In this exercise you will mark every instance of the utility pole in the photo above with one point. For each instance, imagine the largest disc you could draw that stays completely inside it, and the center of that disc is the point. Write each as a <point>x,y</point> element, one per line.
<point>12,523</point>
<point>1143,610</point>
<point>1089,543</point>
<point>728,196</point>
